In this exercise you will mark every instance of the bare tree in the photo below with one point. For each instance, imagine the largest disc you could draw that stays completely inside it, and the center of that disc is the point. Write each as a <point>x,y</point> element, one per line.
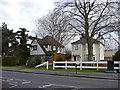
<point>92,19</point>
<point>56,25</point>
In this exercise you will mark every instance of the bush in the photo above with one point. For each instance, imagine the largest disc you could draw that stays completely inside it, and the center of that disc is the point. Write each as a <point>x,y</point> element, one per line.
<point>30,63</point>
<point>22,61</point>
<point>38,60</point>
<point>59,58</point>
<point>9,61</point>
<point>116,57</point>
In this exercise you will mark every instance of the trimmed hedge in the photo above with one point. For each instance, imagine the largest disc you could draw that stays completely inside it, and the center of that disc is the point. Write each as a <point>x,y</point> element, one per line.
<point>9,61</point>
<point>59,58</point>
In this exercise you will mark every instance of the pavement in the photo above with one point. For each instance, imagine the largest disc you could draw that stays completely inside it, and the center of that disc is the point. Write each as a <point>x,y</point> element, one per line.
<point>97,75</point>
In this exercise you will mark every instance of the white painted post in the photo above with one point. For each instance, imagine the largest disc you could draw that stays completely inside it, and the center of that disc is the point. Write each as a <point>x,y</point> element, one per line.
<point>119,66</point>
<point>97,65</point>
<point>65,65</point>
<point>47,65</point>
<point>53,65</point>
<point>80,65</point>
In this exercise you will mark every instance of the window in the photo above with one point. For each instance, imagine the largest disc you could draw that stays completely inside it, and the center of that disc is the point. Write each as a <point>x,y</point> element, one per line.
<point>46,46</point>
<point>86,57</point>
<point>93,57</point>
<point>76,47</point>
<point>35,47</point>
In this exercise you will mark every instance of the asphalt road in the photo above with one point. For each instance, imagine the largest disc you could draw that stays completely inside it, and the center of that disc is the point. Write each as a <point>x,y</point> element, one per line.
<point>29,80</point>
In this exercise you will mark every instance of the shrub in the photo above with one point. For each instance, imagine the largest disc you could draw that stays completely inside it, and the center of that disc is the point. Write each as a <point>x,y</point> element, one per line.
<point>9,61</point>
<point>22,61</point>
<point>30,63</point>
<point>38,60</point>
<point>116,57</point>
<point>59,58</point>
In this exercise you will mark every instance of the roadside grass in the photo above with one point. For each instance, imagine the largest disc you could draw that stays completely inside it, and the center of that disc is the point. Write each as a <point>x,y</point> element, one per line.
<point>63,69</point>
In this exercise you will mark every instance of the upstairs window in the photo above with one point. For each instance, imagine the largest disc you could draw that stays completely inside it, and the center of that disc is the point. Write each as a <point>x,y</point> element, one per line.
<point>76,47</point>
<point>46,46</point>
<point>35,47</point>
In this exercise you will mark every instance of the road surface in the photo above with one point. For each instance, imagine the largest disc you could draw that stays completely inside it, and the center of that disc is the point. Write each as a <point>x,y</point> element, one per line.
<point>30,80</point>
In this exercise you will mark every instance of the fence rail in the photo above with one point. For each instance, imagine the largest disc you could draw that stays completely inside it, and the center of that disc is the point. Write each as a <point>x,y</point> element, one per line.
<point>80,64</point>
<point>45,63</point>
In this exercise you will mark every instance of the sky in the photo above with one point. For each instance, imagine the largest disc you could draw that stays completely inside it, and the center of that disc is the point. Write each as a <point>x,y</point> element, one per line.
<point>23,13</point>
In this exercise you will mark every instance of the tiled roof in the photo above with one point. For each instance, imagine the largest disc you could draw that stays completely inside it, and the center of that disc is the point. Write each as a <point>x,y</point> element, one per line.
<point>48,40</point>
<point>84,41</point>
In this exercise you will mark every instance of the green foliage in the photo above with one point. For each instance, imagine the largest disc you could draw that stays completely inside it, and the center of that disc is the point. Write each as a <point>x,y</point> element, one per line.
<point>38,60</point>
<point>9,61</point>
<point>30,63</point>
<point>116,57</point>
<point>22,61</point>
<point>23,49</point>
<point>8,36</point>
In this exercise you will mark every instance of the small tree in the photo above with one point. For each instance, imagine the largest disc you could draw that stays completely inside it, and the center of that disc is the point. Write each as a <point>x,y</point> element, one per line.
<point>116,57</point>
<point>23,47</point>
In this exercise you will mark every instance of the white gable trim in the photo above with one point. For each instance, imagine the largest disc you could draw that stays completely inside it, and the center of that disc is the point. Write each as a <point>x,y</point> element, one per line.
<point>39,50</point>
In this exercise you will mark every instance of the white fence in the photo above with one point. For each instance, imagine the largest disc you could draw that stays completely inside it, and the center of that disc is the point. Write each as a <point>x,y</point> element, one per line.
<point>80,64</point>
<point>45,63</point>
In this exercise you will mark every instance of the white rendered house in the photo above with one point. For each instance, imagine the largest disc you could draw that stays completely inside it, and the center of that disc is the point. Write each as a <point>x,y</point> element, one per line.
<point>80,50</point>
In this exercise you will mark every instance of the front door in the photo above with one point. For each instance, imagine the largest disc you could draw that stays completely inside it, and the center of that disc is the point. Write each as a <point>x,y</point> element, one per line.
<point>74,58</point>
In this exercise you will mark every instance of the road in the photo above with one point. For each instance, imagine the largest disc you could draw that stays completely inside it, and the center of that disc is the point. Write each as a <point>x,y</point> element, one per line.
<point>29,80</point>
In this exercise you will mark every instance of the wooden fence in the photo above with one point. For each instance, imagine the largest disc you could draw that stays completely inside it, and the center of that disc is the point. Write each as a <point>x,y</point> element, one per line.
<point>81,66</point>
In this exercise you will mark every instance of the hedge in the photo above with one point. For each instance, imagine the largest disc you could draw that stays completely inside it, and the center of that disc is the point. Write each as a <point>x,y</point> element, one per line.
<point>9,61</point>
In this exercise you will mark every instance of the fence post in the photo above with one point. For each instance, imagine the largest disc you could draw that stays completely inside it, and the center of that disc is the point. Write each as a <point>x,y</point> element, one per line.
<point>53,65</point>
<point>47,65</point>
<point>80,65</point>
<point>97,65</point>
<point>119,66</point>
<point>65,65</point>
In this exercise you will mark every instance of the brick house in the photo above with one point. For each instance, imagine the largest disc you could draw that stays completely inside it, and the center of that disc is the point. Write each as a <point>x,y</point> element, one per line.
<point>109,53</point>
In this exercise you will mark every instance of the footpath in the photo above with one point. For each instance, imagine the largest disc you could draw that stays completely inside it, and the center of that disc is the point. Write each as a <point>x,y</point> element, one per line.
<point>97,75</point>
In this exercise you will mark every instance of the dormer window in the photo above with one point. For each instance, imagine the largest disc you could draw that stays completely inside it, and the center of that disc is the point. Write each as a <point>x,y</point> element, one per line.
<point>34,47</point>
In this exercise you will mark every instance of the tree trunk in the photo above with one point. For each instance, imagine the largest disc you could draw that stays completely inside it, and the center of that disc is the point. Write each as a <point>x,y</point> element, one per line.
<point>90,50</point>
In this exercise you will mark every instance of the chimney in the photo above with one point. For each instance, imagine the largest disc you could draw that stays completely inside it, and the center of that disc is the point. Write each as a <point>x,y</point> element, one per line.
<point>36,36</point>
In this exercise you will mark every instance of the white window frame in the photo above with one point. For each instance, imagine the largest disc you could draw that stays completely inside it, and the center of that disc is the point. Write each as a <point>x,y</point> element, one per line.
<point>34,47</point>
<point>76,46</point>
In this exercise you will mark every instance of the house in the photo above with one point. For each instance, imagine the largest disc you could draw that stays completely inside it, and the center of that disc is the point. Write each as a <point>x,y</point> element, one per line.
<point>109,53</point>
<point>80,50</point>
<point>43,48</point>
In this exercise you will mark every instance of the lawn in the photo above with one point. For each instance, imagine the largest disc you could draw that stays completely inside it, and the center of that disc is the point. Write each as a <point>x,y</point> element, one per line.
<point>62,69</point>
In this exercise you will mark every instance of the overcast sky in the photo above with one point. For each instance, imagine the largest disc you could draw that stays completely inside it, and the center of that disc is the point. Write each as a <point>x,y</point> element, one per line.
<point>23,13</point>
